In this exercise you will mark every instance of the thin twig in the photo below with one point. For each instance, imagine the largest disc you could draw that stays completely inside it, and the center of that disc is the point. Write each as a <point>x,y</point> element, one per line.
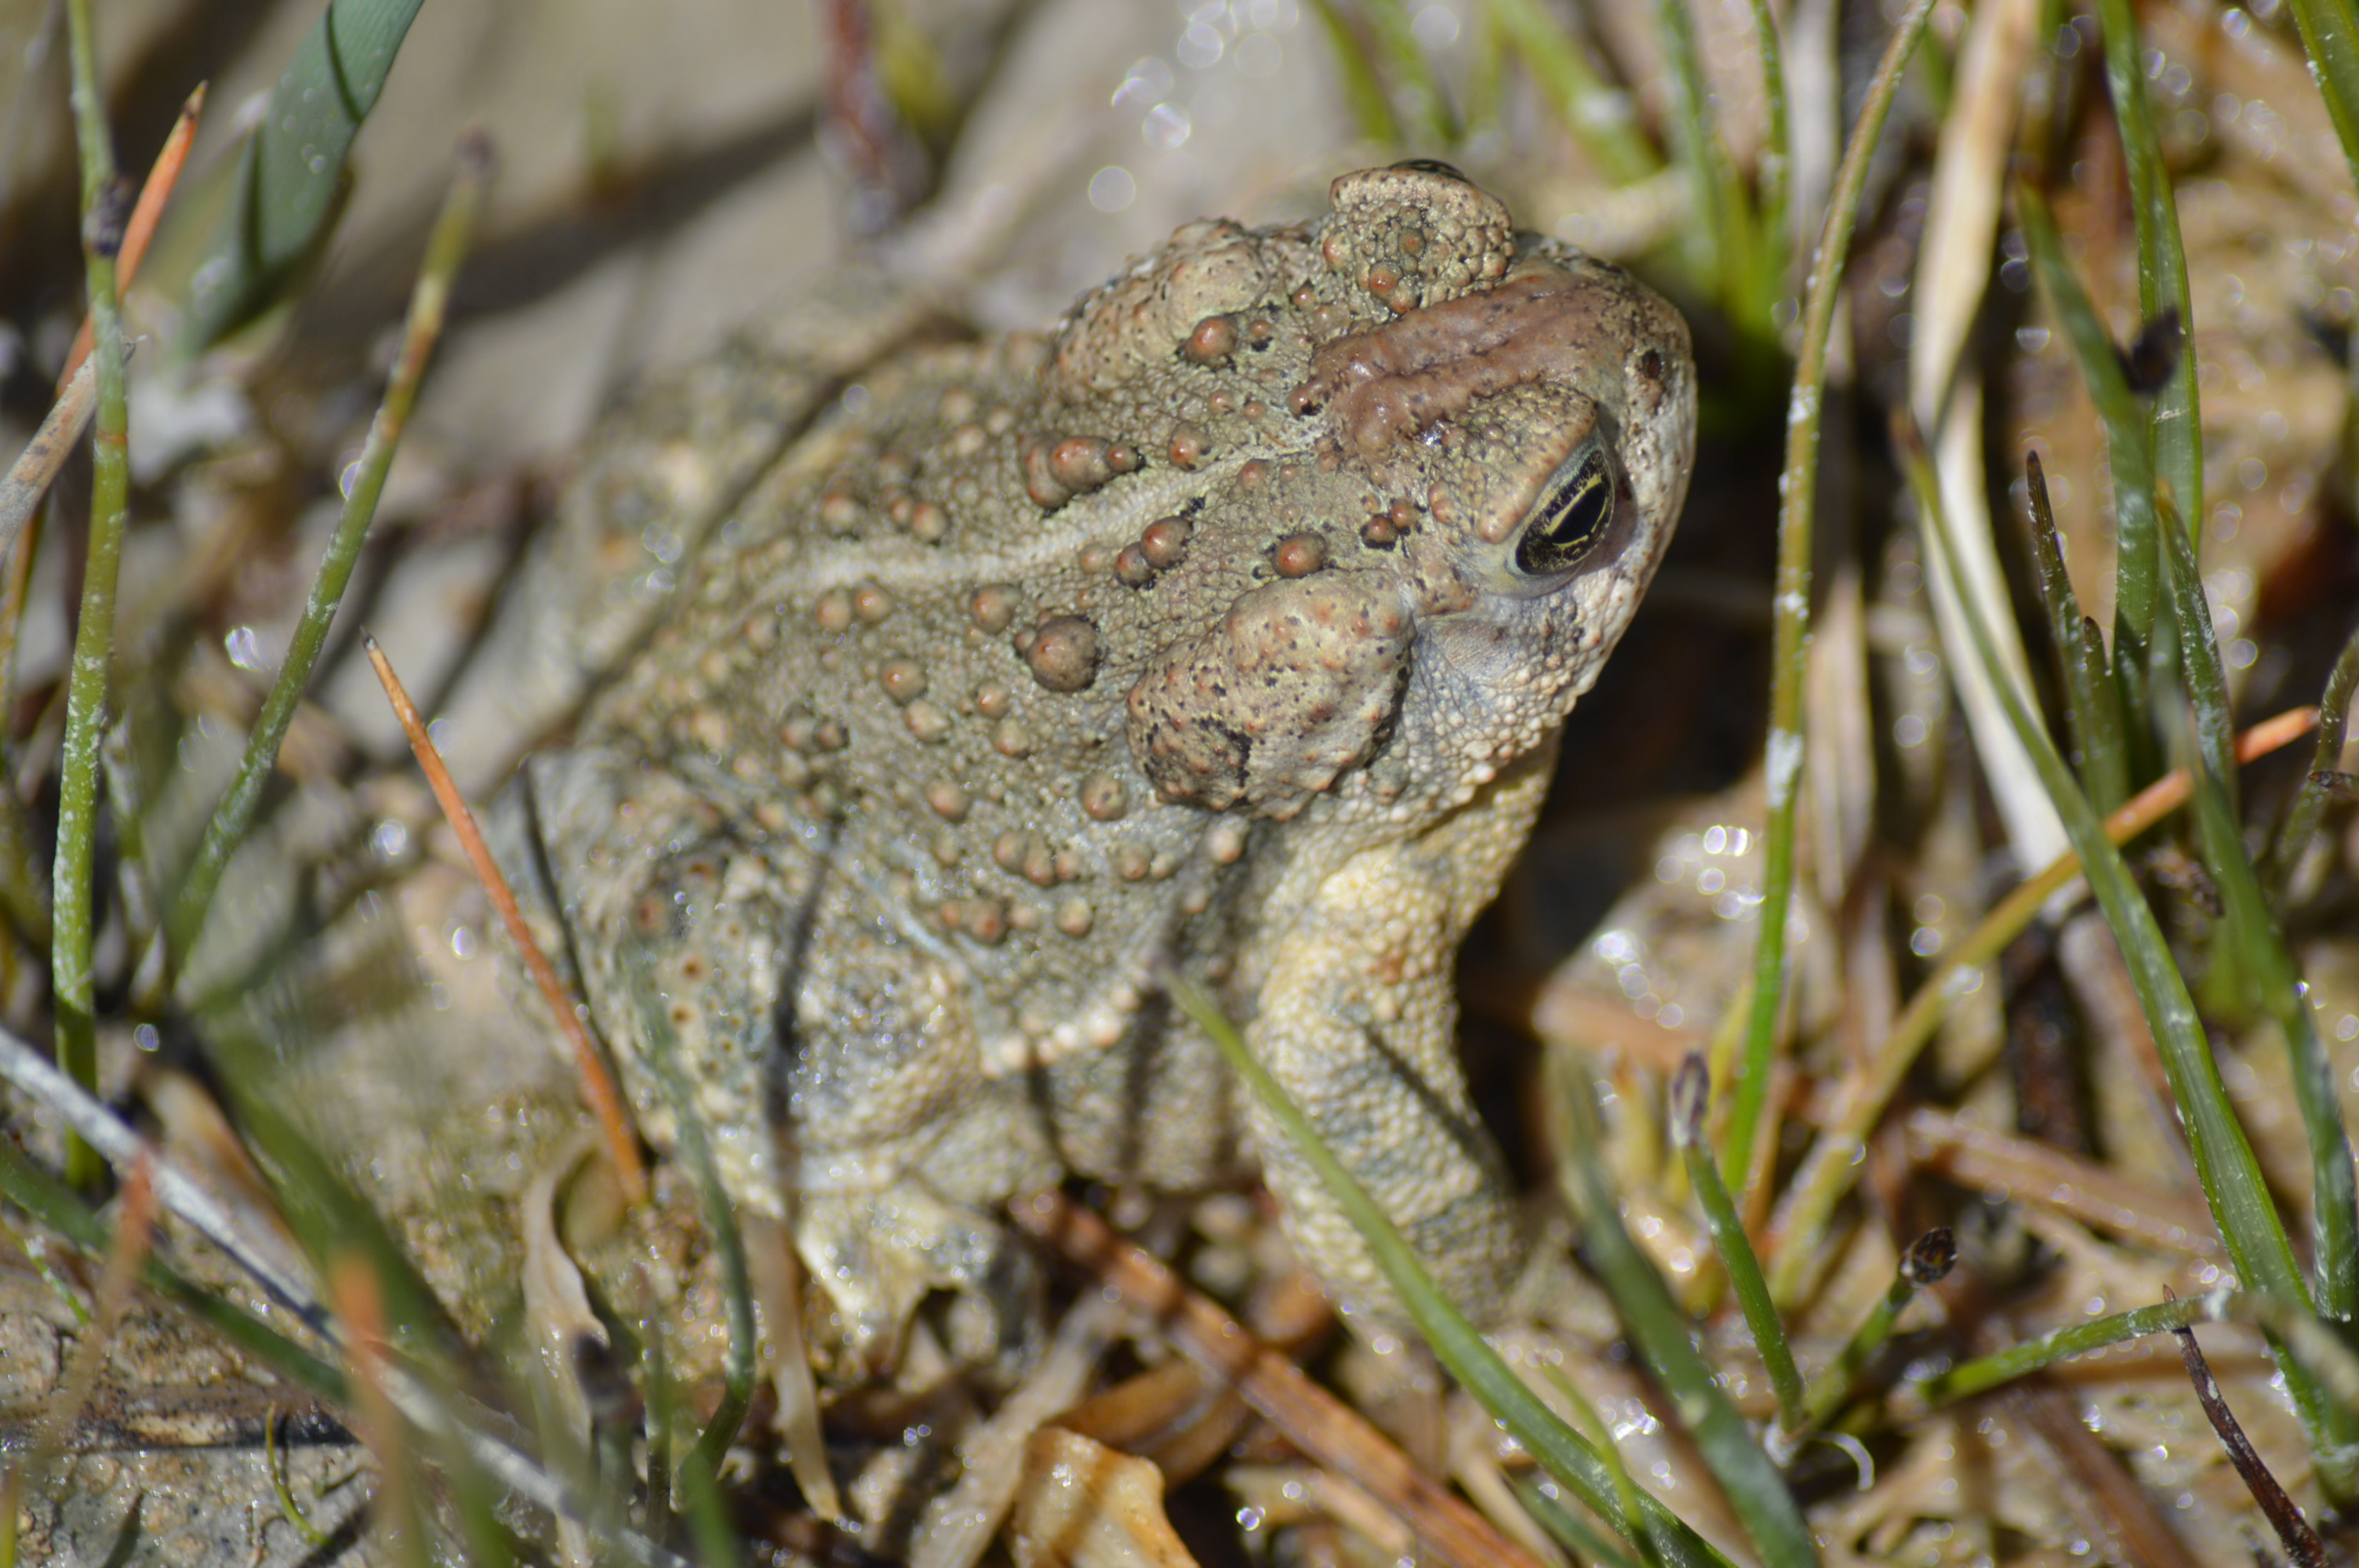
<point>2300,1541</point>
<point>597,1083</point>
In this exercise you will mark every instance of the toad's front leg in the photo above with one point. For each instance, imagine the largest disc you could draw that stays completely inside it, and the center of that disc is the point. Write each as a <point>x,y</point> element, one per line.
<point>1358,1021</point>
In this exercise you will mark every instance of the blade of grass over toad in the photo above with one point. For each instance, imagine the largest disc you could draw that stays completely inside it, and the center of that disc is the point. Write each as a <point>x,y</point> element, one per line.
<point>2310,801</point>
<point>72,893</point>
<point>1596,114</point>
<point>293,165</point>
<point>598,1090</point>
<point>719,1222</point>
<point>2231,1177</point>
<point>2176,424</point>
<point>427,304</point>
<point>1798,499</point>
<point>1561,1451</point>
<point>1319,1424</point>
<point>1665,1336</point>
<point>2329,32</point>
<point>2136,598</point>
<point>1416,88</point>
<point>1364,91</point>
<point>2092,704</point>
<point>1833,1161</point>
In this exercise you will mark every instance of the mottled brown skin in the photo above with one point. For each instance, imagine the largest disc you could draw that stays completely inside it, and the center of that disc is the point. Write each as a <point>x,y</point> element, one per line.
<point>1192,640</point>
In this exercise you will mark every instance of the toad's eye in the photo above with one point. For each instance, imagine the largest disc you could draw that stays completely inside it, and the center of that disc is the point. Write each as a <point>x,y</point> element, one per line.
<point>1570,518</point>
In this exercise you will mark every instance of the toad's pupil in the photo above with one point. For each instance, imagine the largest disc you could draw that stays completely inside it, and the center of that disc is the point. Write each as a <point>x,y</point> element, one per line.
<point>1569,521</point>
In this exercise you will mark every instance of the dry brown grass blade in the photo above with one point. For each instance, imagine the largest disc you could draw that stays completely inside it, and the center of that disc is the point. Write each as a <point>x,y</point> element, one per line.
<point>28,478</point>
<point>1986,1160</point>
<point>597,1083</point>
<point>353,1289</point>
<point>162,176</point>
<point>1310,1417</point>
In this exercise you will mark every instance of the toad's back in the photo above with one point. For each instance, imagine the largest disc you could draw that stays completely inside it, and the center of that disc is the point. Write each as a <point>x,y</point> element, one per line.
<point>1227,633</point>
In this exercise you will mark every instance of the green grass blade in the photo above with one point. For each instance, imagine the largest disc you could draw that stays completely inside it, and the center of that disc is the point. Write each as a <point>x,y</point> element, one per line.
<point>2231,1177</point>
<point>1363,90</point>
<point>105,206</point>
<point>1597,114</point>
<point>1796,510</point>
<point>1416,89</point>
<point>2199,666</point>
<point>1775,173</point>
<point>2309,800</point>
<point>2093,703</point>
<point>1595,1427</point>
<point>1663,1334</point>
<point>293,165</point>
<point>2329,32</point>
<point>1572,1534</point>
<point>2175,422</point>
<point>1722,242</point>
<point>2261,954</point>
<point>1985,1373</point>
<point>2334,1218</point>
<point>427,304</point>
<point>1690,1093</point>
<point>1925,1263</point>
<point>2136,595</point>
<point>1561,1451</point>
